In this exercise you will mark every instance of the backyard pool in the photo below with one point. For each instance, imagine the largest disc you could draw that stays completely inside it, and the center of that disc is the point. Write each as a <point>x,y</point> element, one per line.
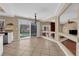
<point>24,34</point>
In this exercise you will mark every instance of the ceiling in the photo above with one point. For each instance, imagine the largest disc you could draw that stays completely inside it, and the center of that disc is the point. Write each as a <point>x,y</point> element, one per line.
<point>43,10</point>
<point>70,14</point>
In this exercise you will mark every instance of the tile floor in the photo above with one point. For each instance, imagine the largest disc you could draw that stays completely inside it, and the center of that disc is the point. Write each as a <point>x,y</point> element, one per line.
<point>33,47</point>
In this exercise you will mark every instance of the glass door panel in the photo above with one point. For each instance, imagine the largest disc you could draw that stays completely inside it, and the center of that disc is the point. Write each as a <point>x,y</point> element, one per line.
<point>33,29</point>
<point>24,28</point>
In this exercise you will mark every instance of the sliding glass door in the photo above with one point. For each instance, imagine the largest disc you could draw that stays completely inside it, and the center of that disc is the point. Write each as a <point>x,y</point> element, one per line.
<point>25,28</point>
<point>33,29</point>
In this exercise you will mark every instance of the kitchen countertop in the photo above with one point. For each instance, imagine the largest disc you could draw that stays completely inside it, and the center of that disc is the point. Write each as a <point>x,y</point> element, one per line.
<point>8,30</point>
<point>2,32</point>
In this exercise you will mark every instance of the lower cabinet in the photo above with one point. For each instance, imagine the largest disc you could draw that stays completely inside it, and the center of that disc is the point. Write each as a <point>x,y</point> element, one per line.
<point>8,37</point>
<point>1,45</point>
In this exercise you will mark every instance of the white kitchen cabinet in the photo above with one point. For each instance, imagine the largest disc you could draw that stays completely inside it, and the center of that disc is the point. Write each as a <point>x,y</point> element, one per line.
<point>10,37</point>
<point>1,44</point>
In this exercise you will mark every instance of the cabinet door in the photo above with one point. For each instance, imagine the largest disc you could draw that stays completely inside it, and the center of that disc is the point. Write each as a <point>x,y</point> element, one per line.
<point>10,37</point>
<point>1,45</point>
<point>5,38</point>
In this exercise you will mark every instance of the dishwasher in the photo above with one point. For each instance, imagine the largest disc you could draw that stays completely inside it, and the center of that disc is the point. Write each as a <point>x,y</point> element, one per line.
<point>5,38</point>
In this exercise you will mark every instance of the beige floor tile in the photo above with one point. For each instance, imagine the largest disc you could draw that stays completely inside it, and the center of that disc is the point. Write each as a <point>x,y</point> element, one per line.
<point>44,52</point>
<point>36,52</point>
<point>32,47</point>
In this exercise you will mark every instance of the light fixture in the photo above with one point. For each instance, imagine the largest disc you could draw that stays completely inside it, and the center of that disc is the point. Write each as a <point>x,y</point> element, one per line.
<point>35,18</point>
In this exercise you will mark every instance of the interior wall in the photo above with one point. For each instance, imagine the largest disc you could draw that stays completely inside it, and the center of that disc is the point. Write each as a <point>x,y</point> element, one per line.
<point>1,10</point>
<point>72,13</point>
<point>38,29</point>
<point>77,51</point>
<point>14,28</point>
<point>69,15</point>
<point>45,23</point>
<point>66,27</point>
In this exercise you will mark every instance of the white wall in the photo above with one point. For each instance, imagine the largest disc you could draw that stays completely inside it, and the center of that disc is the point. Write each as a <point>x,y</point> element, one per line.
<point>38,29</point>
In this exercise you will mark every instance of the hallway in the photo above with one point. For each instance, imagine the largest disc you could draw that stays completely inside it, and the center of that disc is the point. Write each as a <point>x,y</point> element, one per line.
<point>33,47</point>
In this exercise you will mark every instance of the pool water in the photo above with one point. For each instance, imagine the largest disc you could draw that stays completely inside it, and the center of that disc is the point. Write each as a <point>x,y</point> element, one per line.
<point>24,34</point>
